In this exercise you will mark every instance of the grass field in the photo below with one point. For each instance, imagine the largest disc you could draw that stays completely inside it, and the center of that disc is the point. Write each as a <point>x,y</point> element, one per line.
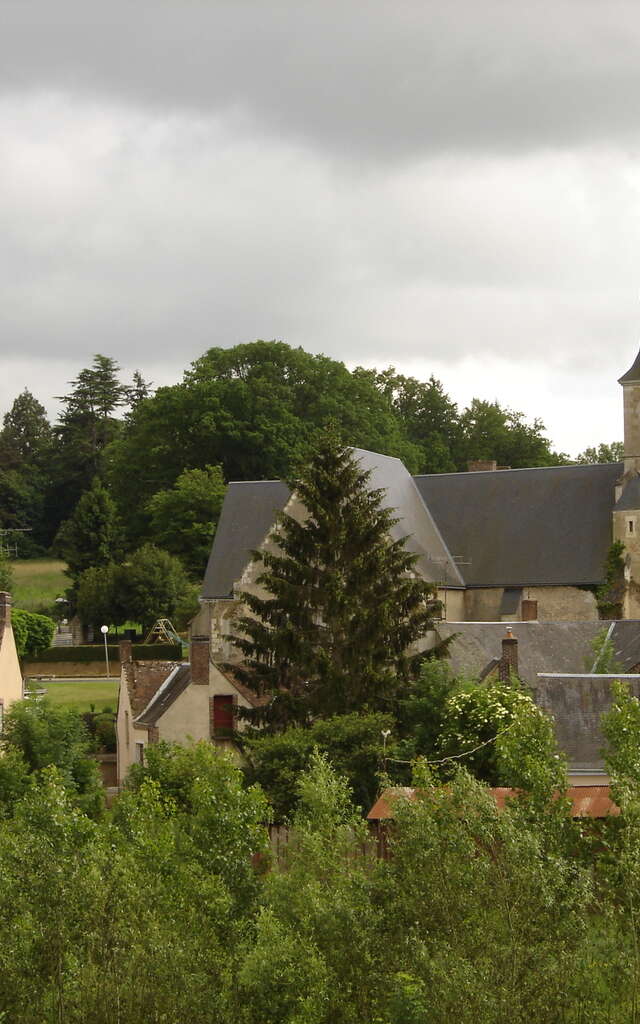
<point>81,693</point>
<point>37,582</point>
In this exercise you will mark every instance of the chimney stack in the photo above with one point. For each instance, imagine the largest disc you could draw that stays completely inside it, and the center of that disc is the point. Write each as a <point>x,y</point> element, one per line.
<point>5,610</point>
<point>482,466</point>
<point>125,652</point>
<point>509,661</point>
<point>199,657</point>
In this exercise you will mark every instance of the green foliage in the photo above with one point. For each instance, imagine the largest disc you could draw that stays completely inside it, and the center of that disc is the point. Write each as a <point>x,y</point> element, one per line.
<point>352,743</point>
<point>45,735</point>
<point>223,819</point>
<point>621,729</point>
<point>92,536</point>
<point>156,913</point>
<point>184,517</point>
<point>252,409</point>
<point>6,575</point>
<point>33,633</point>
<point>25,449</point>
<point>38,584</point>
<point>98,597</point>
<point>421,714</point>
<point>428,415</point>
<point>86,426</point>
<point>475,723</point>
<point>603,654</point>
<point>613,452</point>
<point>343,606</point>
<point>610,596</point>
<point>493,432</point>
<point>95,652</point>
<point>153,584</point>
<point>484,920</point>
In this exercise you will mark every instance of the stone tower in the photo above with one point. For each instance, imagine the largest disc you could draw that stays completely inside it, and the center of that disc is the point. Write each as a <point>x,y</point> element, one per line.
<point>631,398</point>
<point>626,512</point>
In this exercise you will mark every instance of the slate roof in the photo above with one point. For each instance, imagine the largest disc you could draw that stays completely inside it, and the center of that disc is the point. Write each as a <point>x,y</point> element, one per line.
<point>577,702</point>
<point>250,508</point>
<point>542,646</point>
<point>506,528</point>
<point>416,521</point>
<point>626,643</point>
<point>535,527</point>
<point>630,497</point>
<point>248,513</point>
<point>633,373</point>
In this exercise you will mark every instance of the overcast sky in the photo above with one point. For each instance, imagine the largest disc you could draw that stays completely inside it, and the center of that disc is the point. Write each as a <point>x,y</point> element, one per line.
<point>451,188</point>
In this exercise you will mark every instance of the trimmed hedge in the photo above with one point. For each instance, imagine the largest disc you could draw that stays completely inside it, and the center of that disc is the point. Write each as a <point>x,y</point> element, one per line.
<point>141,652</point>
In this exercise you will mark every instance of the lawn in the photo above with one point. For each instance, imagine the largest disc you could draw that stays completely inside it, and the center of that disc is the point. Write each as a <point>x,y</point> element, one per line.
<point>81,693</point>
<point>37,582</point>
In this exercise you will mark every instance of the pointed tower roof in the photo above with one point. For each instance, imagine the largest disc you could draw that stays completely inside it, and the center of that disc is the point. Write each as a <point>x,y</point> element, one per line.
<point>633,374</point>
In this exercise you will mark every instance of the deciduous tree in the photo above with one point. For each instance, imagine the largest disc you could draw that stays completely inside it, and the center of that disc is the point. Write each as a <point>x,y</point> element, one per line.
<point>184,517</point>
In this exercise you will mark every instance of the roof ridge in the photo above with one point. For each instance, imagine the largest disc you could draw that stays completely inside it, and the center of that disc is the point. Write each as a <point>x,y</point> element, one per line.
<point>519,469</point>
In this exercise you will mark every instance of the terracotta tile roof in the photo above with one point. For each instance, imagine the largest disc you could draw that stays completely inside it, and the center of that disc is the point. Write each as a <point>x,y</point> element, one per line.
<point>230,674</point>
<point>586,801</point>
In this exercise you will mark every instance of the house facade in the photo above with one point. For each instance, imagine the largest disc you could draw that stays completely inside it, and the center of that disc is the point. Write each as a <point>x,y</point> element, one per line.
<point>11,688</point>
<point>175,701</point>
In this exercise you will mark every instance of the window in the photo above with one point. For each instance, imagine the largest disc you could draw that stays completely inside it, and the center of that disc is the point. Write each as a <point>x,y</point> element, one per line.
<point>126,727</point>
<point>139,753</point>
<point>222,714</point>
<point>631,526</point>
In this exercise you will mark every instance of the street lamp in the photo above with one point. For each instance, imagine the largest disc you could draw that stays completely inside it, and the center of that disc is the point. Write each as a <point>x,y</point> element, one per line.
<point>104,630</point>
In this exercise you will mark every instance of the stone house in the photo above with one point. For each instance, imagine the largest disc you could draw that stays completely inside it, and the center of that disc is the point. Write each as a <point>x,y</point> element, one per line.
<point>11,688</point>
<point>175,701</point>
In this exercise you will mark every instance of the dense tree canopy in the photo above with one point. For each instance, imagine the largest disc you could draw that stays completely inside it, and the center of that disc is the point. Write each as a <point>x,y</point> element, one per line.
<point>251,410</point>
<point>184,517</point>
<point>613,452</point>
<point>92,537</point>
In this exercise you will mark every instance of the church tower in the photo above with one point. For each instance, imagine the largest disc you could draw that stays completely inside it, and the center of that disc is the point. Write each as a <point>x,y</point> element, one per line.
<point>631,398</point>
<point>626,512</point>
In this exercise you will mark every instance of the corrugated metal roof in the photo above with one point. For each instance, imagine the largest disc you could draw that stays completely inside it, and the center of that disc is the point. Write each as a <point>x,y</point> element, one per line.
<point>586,801</point>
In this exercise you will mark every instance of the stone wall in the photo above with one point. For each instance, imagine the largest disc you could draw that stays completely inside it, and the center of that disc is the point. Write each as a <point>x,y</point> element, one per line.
<point>555,604</point>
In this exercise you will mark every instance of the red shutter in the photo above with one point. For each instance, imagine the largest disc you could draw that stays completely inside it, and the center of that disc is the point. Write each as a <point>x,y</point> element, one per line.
<point>222,713</point>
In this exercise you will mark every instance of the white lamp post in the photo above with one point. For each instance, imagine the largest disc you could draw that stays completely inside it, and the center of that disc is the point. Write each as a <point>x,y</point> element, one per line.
<point>104,630</point>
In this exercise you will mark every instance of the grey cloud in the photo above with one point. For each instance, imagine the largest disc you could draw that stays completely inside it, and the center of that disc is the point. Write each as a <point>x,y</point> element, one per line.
<point>380,80</point>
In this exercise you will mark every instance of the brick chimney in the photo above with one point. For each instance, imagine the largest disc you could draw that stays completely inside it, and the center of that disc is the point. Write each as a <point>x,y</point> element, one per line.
<point>482,466</point>
<point>125,652</point>
<point>509,661</point>
<point>199,657</point>
<point>5,610</point>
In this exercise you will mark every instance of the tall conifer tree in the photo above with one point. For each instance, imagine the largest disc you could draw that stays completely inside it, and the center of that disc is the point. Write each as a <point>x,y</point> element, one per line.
<point>344,603</point>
